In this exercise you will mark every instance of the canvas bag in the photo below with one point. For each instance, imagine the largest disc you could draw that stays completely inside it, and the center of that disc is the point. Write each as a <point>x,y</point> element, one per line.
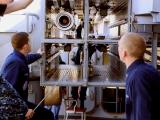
<point>53,95</point>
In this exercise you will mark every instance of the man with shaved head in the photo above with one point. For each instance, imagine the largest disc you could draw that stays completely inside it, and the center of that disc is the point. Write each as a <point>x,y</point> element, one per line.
<point>142,80</point>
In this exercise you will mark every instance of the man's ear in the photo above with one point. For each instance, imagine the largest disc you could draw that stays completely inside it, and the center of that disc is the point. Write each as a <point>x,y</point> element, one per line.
<point>125,53</point>
<point>25,47</point>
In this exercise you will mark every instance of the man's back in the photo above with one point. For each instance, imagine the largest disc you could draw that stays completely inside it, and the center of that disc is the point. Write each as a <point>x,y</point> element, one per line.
<point>143,92</point>
<point>15,71</point>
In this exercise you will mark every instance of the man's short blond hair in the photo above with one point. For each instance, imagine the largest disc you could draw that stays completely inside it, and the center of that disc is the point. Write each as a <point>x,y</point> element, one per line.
<point>134,44</point>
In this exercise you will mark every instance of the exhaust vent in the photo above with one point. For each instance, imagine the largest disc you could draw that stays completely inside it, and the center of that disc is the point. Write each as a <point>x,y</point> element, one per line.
<point>64,21</point>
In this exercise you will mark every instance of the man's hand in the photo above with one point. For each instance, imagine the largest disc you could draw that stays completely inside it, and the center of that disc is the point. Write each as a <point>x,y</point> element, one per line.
<point>40,51</point>
<point>29,114</point>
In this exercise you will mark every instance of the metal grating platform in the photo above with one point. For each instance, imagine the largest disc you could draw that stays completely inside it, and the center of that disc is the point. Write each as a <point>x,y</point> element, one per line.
<point>111,74</point>
<point>67,73</point>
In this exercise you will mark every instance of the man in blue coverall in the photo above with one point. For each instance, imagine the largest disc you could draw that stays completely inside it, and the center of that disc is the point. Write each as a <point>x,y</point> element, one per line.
<point>142,80</point>
<point>15,70</point>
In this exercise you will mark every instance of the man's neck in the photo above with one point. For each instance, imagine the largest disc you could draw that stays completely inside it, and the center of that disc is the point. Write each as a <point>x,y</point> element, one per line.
<point>129,61</point>
<point>23,52</point>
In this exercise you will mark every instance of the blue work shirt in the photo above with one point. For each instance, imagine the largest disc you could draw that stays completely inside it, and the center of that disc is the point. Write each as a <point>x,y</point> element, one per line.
<point>16,71</point>
<point>142,92</point>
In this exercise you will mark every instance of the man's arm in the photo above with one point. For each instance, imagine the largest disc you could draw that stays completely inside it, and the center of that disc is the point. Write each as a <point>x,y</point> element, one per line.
<point>33,57</point>
<point>17,5</point>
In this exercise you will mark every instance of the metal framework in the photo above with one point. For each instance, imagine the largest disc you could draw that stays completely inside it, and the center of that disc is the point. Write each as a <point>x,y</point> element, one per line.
<point>105,75</point>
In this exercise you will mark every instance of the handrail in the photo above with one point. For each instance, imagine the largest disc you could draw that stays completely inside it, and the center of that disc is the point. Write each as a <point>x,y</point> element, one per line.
<point>30,14</point>
<point>27,16</point>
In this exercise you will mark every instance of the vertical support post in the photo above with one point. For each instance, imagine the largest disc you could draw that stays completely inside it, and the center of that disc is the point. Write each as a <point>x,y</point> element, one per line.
<point>129,15</point>
<point>27,24</point>
<point>43,68</point>
<point>86,19</point>
<point>117,99</point>
<point>42,27</point>
<point>154,50</point>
